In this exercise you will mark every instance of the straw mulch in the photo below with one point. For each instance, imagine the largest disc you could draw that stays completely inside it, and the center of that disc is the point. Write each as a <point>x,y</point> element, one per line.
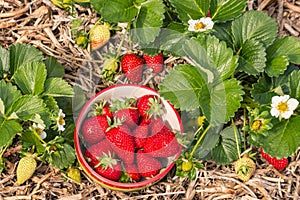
<point>48,28</point>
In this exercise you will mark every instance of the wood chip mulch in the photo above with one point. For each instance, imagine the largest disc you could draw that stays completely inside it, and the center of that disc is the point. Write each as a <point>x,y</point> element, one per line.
<point>48,28</point>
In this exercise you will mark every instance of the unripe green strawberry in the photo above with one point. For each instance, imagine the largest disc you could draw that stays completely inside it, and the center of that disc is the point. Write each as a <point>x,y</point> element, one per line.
<point>244,168</point>
<point>25,169</point>
<point>74,173</point>
<point>110,67</point>
<point>187,165</point>
<point>99,34</point>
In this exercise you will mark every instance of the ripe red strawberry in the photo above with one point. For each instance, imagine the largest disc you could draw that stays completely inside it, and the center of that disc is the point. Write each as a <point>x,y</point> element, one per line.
<point>126,112</point>
<point>109,167</point>
<point>93,129</point>
<point>122,143</point>
<point>148,166</point>
<point>132,172</point>
<point>94,152</point>
<point>150,106</point>
<point>132,67</point>
<point>140,134</point>
<point>99,34</point>
<point>279,164</point>
<point>155,62</point>
<point>156,126</point>
<point>162,144</point>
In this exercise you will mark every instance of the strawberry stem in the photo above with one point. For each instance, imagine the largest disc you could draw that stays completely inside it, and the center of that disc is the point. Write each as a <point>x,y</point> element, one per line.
<point>236,138</point>
<point>200,139</point>
<point>123,39</point>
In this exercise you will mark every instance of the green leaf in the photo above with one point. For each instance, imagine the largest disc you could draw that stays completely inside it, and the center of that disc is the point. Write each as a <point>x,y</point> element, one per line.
<point>57,87</point>
<point>222,101</point>
<point>283,139</point>
<point>54,68</point>
<point>116,11</point>
<point>210,140</point>
<point>222,10</point>
<point>190,9</point>
<point>262,90</point>
<point>21,54</point>
<point>4,61</point>
<point>226,152</point>
<point>219,56</point>
<point>63,157</point>
<point>30,139</point>
<point>254,25</point>
<point>223,33</point>
<point>149,20</point>
<point>8,130</point>
<point>294,84</point>
<point>26,106</point>
<point>286,46</point>
<point>252,57</point>
<point>8,93</point>
<point>182,86</point>
<point>30,77</point>
<point>277,66</point>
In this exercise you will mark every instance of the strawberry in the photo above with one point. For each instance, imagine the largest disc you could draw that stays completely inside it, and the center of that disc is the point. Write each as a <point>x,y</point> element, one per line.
<point>149,106</point>
<point>102,108</point>
<point>279,164</point>
<point>25,169</point>
<point>110,67</point>
<point>155,62</point>
<point>126,112</point>
<point>74,174</point>
<point>162,144</point>
<point>157,125</point>
<point>132,173</point>
<point>93,129</point>
<point>95,151</point>
<point>132,67</point>
<point>244,168</point>
<point>99,34</point>
<point>140,134</point>
<point>109,167</point>
<point>122,143</point>
<point>148,166</point>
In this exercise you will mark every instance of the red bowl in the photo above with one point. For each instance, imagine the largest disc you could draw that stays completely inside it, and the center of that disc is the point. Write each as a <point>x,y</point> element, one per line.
<point>171,116</point>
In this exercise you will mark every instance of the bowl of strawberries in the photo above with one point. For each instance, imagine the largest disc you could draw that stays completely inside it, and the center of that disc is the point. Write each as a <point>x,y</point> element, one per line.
<point>126,137</point>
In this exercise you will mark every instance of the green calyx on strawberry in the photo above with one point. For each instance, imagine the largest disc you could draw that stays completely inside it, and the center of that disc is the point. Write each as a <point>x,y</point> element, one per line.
<point>110,67</point>
<point>279,164</point>
<point>102,108</point>
<point>150,106</point>
<point>126,111</point>
<point>132,66</point>
<point>187,166</point>
<point>244,168</point>
<point>93,129</point>
<point>94,152</point>
<point>154,62</point>
<point>99,34</point>
<point>109,167</point>
<point>130,174</point>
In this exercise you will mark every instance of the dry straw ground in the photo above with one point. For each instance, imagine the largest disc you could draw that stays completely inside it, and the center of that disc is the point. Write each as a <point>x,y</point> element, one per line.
<point>48,28</point>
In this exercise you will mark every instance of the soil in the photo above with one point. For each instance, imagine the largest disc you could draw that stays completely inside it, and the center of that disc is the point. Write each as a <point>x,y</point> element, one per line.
<point>48,28</point>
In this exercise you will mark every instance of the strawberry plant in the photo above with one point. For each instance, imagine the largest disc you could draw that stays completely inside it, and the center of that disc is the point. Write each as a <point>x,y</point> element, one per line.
<point>33,99</point>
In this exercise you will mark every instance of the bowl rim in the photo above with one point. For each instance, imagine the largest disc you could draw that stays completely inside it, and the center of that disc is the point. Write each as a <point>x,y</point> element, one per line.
<point>107,182</point>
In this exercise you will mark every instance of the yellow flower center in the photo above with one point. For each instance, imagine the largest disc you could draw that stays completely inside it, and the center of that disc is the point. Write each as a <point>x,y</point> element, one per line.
<point>256,125</point>
<point>61,120</point>
<point>282,107</point>
<point>39,131</point>
<point>198,26</point>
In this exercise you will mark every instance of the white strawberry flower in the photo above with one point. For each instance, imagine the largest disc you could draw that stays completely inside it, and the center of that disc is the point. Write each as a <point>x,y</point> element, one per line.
<point>60,121</point>
<point>283,106</point>
<point>39,129</point>
<point>200,25</point>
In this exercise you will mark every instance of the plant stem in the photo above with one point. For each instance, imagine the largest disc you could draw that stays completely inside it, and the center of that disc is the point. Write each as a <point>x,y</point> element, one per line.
<point>123,39</point>
<point>200,139</point>
<point>244,124</point>
<point>236,138</point>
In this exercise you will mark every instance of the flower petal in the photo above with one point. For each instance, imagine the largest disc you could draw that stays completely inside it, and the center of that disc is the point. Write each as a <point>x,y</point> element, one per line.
<point>286,114</point>
<point>292,104</point>
<point>275,112</point>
